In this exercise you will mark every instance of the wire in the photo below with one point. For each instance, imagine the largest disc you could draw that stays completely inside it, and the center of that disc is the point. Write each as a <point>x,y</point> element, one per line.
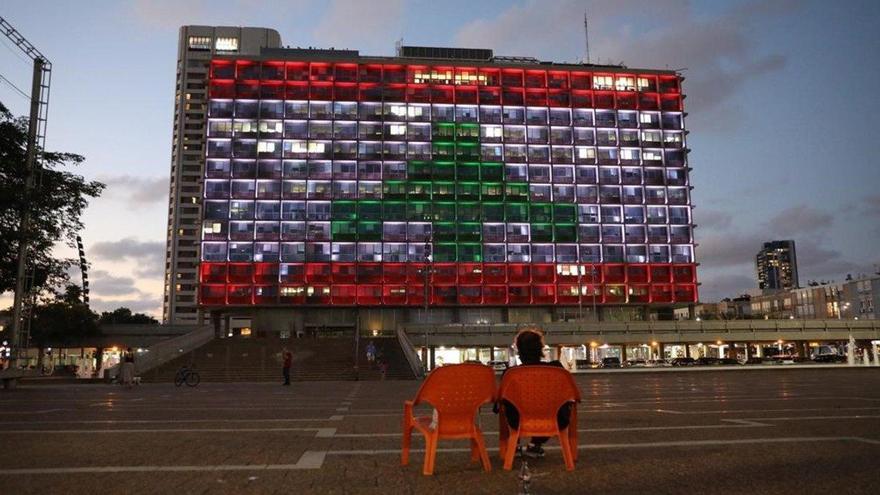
<point>17,53</point>
<point>22,93</point>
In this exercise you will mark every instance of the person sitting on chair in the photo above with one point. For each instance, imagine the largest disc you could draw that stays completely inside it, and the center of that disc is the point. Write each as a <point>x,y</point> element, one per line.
<point>529,343</point>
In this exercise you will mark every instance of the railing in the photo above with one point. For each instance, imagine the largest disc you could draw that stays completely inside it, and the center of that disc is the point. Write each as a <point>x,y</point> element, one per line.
<point>662,331</point>
<point>165,351</point>
<point>409,352</point>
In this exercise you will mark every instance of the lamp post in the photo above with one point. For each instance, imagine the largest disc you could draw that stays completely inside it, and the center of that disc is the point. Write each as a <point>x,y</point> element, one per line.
<point>426,273</point>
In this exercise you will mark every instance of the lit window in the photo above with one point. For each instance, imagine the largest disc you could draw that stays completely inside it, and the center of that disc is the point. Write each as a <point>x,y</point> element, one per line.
<point>645,118</point>
<point>586,153</point>
<point>493,132</point>
<point>226,44</point>
<point>625,84</point>
<point>414,111</point>
<point>602,82</point>
<point>397,129</point>
<point>299,146</point>
<point>316,147</point>
<point>398,110</point>
<point>643,83</point>
<point>266,147</point>
<point>627,154</point>
<point>200,43</point>
<point>652,155</point>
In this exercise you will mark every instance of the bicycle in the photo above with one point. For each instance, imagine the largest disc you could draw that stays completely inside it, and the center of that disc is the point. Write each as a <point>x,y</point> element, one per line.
<point>186,375</point>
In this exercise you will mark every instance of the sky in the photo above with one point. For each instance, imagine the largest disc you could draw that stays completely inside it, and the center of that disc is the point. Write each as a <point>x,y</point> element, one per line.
<point>780,94</point>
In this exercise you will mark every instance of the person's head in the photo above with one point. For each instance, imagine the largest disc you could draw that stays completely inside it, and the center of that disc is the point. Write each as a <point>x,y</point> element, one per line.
<point>529,344</point>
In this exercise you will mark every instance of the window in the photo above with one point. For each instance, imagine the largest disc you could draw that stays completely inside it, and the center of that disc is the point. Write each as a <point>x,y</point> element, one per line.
<point>397,129</point>
<point>200,43</point>
<point>266,147</point>
<point>398,110</point>
<point>643,83</point>
<point>226,44</point>
<point>602,82</point>
<point>625,83</point>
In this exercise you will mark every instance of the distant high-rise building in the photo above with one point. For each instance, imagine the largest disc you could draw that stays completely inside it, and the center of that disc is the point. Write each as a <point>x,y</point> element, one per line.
<point>197,46</point>
<point>777,266</point>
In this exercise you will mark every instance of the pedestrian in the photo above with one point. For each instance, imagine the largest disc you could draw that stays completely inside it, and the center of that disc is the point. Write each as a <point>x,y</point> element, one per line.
<point>371,353</point>
<point>529,344</point>
<point>383,367</point>
<point>287,358</point>
<point>127,368</point>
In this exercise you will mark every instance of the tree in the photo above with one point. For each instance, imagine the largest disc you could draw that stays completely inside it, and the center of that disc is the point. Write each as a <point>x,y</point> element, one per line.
<point>56,205</point>
<point>125,316</point>
<point>63,322</point>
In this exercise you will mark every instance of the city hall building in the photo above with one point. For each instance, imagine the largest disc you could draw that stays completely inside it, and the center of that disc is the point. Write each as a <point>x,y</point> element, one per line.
<point>318,190</point>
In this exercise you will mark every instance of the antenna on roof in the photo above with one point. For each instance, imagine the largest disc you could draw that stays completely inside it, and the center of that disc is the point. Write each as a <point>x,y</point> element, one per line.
<point>397,46</point>
<point>587,37</point>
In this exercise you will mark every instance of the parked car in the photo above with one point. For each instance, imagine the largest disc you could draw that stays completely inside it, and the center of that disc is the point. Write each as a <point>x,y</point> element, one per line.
<point>829,358</point>
<point>635,363</point>
<point>784,359</point>
<point>498,365</point>
<point>683,361</point>
<point>707,361</point>
<point>610,362</point>
<point>582,364</point>
<point>658,363</point>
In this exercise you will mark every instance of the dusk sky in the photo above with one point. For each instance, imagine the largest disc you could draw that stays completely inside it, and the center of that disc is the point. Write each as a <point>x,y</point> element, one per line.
<point>782,104</point>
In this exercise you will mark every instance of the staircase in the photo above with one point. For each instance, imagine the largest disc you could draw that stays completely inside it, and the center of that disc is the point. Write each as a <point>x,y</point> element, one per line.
<point>245,359</point>
<point>389,349</point>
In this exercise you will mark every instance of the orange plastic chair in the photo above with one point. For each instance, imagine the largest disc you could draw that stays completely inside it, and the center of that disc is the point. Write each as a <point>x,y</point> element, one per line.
<point>456,392</point>
<point>538,392</point>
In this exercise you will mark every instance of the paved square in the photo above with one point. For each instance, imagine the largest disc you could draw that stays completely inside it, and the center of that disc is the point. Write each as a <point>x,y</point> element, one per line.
<point>774,431</point>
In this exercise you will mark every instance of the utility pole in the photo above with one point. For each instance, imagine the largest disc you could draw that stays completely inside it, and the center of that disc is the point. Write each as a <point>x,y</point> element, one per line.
<point>426,271</point>
<point>36,141</point>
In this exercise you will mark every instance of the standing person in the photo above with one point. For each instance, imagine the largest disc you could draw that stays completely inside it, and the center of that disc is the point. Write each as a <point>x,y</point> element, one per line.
<point>287,358</point>
<point>529,345</point>
<point>127,368</point>
<point>371,353</point>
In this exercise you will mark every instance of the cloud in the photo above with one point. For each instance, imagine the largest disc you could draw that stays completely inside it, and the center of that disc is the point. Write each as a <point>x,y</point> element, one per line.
<point>719,51</point>
<point>137,191</point>
<point>144,304</point>
<point>168,14</point>
<point>103,283</point>
<point>728,249</point>
<point>799,219</point>
<point>370,26</point>
<point>148,256</point>
<point>725,284</point>
<point>713,219</point>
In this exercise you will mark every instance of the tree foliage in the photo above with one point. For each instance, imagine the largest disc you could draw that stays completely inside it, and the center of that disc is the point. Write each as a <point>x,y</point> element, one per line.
<point>56,205</point>
<point>65,321</point>
<point>125,316</point>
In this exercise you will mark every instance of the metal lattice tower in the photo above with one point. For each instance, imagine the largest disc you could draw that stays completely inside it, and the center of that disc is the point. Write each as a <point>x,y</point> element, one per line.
<point>39,114</point>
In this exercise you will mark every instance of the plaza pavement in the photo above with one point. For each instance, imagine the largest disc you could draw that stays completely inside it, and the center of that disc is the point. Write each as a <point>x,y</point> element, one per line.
<point>764,431</point>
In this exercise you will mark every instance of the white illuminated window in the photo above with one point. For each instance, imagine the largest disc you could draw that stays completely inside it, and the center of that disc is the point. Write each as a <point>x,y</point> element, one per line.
<point>397,129</point>
<point>316,147</point>
<point>299,146</point>
<point>625,84</point>
<point>645,118</point>
<point>199,42</point>
<point>627,154</point>
<point>398,110</point>
<point>266,147</point>
<point>586,153</point>
<point>493,132</point>
<point>414,111</point>
<point>643,83</point>
<point>652,155</point>
<point>602,82</point>
<point>226,44</point>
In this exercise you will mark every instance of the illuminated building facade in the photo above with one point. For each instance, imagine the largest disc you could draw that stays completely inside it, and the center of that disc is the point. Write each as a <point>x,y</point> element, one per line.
<point>335,179</point>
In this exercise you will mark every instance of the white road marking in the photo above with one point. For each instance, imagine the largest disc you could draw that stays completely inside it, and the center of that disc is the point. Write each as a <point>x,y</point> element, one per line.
<point>167,421</point>
<point>641,445</point>
<point>319,432</point>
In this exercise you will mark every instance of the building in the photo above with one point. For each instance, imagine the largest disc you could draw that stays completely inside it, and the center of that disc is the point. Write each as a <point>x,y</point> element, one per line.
<point>860,298</point>
<point>777,266</point>
<point>345,191</point>
<point>197,45</point>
